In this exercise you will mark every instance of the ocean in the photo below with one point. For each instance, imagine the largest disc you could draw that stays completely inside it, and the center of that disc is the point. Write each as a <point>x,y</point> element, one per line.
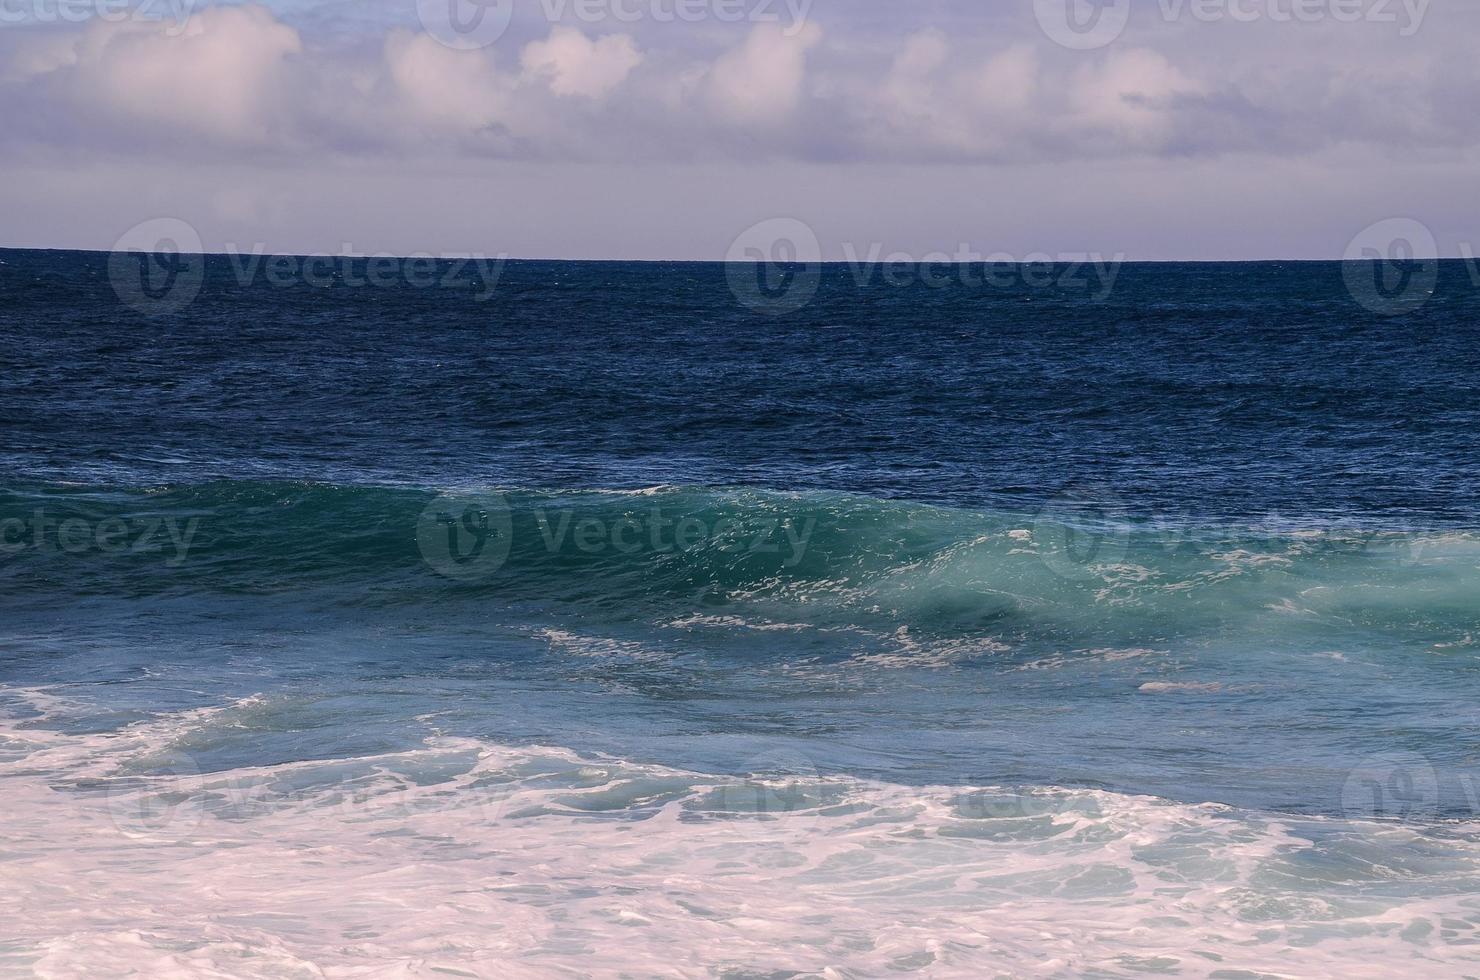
<point>544,619</point>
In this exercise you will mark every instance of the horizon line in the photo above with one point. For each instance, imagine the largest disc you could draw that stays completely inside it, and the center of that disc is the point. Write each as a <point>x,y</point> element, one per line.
<point>503,257</point>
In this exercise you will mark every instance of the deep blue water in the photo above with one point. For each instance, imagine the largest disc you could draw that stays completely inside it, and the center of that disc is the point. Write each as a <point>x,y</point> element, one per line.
<point>1217,390</point>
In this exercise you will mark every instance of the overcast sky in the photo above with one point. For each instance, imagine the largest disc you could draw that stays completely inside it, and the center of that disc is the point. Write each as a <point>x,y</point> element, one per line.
<point>1160,129</point>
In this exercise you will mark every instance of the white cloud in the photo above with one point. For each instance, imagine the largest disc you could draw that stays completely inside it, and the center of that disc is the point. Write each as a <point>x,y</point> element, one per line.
<point>761,81</point>
<point>1131,93</point>
<point>910,102</point>
<point>929,99</point>
<point>241,79</point>
<point>572,64</point>
<point>442,87</point>
<point>1008,82</point>
<point>223,76</point>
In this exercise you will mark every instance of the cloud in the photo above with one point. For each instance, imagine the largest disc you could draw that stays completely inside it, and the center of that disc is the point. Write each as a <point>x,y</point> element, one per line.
<point>761,81</point>
<point>1133,94</point>
<point>224,76</point>
<point>441,88</point>
<point>934,102</point>
<point>243,80</point>
<point>572,64</point>
<point>1008,82</point>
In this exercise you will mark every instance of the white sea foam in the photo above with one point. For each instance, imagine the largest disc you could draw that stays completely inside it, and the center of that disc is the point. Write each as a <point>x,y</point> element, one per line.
<point>464,858</point>
<point>737,622</point>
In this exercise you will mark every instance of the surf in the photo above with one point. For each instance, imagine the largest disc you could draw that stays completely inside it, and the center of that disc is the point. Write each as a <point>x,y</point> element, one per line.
<point>825,557</point>
<point>463,855</point>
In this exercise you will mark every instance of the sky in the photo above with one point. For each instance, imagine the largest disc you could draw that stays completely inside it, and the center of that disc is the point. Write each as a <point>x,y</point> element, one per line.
<point>675,129</point>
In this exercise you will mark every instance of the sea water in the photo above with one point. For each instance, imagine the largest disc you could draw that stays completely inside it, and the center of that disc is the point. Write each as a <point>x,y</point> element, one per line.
<point>606,625</point>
